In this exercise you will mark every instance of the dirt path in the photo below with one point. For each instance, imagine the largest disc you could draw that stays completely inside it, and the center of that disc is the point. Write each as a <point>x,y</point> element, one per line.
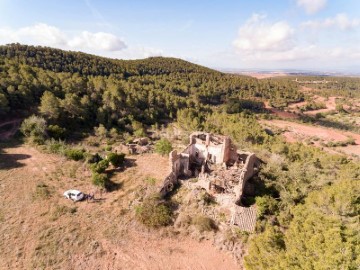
<point>11,130</point>
<point>49,232</point>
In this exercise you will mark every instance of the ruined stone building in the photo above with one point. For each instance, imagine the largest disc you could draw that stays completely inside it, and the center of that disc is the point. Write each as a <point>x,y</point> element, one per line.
<point>221,169</point>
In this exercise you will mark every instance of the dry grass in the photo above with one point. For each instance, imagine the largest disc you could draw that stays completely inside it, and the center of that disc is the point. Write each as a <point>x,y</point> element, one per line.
<point>50,232</point>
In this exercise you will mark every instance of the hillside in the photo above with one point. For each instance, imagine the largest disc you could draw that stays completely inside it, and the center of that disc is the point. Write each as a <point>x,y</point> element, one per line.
<point>71,88</point>
<point>85,64</point>
<point>77,115</point>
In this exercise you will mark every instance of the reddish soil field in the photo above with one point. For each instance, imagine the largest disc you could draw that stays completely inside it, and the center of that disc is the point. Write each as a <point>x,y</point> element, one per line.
<point>294,132</point>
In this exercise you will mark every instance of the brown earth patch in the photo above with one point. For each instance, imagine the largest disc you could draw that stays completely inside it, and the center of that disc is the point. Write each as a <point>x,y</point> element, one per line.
<point>42,230</point>
<point>264,75</point>
<point>280,113</point>
<point>297,132</point>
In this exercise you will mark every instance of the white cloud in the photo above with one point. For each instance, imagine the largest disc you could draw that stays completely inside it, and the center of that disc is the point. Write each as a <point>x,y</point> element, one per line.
<point>312,6</point>
<point>257,35</point>
<point>260,42</point>
<point>46,35</point>
<point>340,21</point>
<point>49,35</point>
<point>97,41</point>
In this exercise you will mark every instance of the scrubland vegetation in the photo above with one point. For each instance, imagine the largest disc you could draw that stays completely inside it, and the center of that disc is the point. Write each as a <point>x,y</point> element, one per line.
<point>308,200</point>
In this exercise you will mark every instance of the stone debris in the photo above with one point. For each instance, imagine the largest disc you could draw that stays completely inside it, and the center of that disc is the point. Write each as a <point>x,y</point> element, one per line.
<point>221,169</point>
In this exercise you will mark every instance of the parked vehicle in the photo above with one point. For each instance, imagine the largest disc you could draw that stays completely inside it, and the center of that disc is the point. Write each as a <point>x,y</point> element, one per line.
<point>74,195</point>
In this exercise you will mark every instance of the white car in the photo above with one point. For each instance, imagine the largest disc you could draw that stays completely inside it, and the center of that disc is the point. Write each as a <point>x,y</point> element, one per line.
<point>74,195</point>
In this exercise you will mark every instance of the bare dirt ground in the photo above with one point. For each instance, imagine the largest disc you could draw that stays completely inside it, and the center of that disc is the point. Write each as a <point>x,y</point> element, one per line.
<point>280,113</point>
<point>294,132</point>
<point>330,102</point>
<point>39,229</point>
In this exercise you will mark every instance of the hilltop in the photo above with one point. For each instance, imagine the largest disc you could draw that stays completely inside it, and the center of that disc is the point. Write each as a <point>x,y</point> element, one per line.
<point>57,60</point>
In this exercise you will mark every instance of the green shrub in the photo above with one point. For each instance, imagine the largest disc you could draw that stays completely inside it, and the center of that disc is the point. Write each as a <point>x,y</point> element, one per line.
<point>163,147</point>
<point>34,128</point>
<point>350,141</point>
<point>235,105</point>
<point>100,179</point>
<point>114,133</point>
<point>154,212</point>
<point>108,148</point>
<point>208,198</point>
<point>278,103</point>
<point>55,146</point>
<point>340,108</point>
<point>204,223</point>
<point>116,159</point>
<point>74,154</point>
<point>312,106</point>
<point>56,132</point>
<point>138,129</point>
<point>93,158</point>
<point>93,141</point>
<point>101,131</point>
<point>266,206</point>
<point>140,133</point>
<point>100,166</point>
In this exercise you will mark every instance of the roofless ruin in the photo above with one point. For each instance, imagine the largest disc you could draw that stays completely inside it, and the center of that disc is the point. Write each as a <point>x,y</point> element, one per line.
<point>221,169</point>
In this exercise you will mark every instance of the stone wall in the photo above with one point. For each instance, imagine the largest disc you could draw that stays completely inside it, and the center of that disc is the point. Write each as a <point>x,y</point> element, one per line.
<point>205,148</point>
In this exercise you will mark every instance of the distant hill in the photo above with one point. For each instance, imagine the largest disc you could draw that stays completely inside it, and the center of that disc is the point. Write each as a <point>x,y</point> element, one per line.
<point>74,89</point>
<point>58,60</point>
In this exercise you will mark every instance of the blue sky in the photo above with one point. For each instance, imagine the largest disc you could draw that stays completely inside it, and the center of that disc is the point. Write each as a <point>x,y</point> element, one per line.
<point>321,35</point>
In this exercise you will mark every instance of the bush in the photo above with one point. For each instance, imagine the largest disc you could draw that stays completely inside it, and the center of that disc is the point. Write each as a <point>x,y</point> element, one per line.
<point>238,105</point>
<point>116,159</point>
<point>99,167</point>
<point>312,106</point>
<point>55,146</point>
<point>208,198</point>
<point>74,154</point>
<point>56,132</point>
<point>101,131</point>
<point>154,212</point>
<point>100,179</point>
<point>278,103</point>
<point>266,206</point>
<point>204,223</point>
<point>340,108</point>
<point>108,148</point>
<point>93,158</point>
<point>140,133</point>
<point>163,147</point>
<point>34,128</point>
